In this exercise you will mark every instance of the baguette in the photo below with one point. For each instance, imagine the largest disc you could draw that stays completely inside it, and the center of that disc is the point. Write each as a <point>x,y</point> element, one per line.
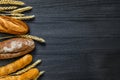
<point>14,66</point>
<point>12,26</point>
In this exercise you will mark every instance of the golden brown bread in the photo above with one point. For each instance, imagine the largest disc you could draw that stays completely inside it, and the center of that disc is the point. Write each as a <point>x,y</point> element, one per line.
<point>12,26</point>
<point>15,47</point>
<point>14,66</point>
<point>29,75</point>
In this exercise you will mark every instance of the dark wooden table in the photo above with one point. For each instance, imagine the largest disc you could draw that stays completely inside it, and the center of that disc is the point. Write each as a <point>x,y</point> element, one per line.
<point>82,38</point>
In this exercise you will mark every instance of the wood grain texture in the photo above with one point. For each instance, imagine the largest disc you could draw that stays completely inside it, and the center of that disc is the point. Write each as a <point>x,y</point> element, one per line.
<point>83,38</point>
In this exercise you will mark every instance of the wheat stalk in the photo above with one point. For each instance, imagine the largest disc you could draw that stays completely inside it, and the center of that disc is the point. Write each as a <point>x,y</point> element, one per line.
<point>6,12</point>
<point>20,3</point>
<point>6,37</point>
<point>8,8</point>
<point>25,17</point>
<point>25,36</point>
<point>20,10</point>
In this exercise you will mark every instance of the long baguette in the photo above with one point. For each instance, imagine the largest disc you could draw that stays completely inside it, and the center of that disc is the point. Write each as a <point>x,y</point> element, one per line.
<point>29,75</point>
<point>17,65</point>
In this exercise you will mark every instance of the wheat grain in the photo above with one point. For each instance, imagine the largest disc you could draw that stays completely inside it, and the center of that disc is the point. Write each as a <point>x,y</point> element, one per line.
<point>25,17</point>
<point>20,10</point>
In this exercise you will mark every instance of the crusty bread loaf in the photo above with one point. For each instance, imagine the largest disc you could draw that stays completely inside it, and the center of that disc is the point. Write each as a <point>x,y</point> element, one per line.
<point>12,26</point>
<point>15,47</point>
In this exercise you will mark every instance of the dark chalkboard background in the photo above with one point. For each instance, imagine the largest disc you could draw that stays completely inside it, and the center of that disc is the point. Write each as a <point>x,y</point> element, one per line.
<point>82,38</point>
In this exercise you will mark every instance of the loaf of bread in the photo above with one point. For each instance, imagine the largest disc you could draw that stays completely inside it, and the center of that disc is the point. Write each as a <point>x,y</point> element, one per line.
<point>12,26</point>
<point>15,47</point>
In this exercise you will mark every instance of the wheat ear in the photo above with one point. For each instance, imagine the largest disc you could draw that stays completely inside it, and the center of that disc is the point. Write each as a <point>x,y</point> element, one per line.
<point>8,8</point>
<point>13,15</point>
<point>20,3</point>
<point>25,17</point>
<point>25,36</point>
<point>32,37</point>
<point>7,0</point>
<point>20,10</point>
<point>7,37</point>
